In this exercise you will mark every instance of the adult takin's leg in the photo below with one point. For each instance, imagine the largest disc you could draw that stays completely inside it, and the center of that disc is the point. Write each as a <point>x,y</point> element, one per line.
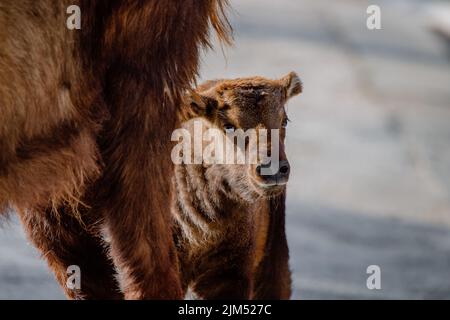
<point>150,54</point>
<point>133,196</point>
<point>64,241</point>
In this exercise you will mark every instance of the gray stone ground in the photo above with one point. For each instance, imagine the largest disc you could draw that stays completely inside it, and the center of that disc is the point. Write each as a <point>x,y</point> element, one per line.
<point>369,143</point>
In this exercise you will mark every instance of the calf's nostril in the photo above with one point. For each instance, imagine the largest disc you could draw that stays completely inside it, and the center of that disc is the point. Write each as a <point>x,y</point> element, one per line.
<point>258,170</point>
<point>284,169</point>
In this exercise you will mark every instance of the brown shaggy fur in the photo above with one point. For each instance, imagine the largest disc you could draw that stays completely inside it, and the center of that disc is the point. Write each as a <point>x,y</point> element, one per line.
<point>82,145</point>
<point>229,226</point>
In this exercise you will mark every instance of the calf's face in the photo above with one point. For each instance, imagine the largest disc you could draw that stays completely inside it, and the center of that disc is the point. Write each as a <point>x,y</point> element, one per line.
<point>257,105</point>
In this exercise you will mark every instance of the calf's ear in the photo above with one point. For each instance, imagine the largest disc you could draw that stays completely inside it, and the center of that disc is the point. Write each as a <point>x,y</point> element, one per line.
<point>198,105</point>
<point>292,84</point>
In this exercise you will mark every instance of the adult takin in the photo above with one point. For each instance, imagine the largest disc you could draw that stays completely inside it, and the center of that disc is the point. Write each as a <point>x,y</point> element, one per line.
<point>82,148</point>
<point>229,219</point>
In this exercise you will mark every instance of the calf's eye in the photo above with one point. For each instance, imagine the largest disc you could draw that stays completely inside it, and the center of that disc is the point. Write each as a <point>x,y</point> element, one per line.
<point>229,128</point>
<point>285,123</point>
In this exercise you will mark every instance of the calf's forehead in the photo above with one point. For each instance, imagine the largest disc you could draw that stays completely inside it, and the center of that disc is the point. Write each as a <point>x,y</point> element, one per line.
<point>256,105</point>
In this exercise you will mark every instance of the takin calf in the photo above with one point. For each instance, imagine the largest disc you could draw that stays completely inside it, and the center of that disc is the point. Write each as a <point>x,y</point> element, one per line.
<point>229,219</point>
